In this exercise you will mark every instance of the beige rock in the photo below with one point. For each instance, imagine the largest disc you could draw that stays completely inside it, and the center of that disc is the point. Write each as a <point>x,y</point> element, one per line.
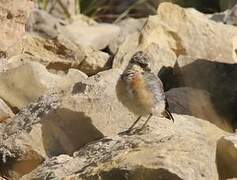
<point>234,50</point>
<point>13,15</point>
<point>127,26</point>
<point>44,24</point>
<point>27,83</point>
<point>226,157</point>
<point>60,54</point>
<point>126,50</point>
<point>96,36</point>
<point>21,145</point>
<point>214,77</point>
<point>189,32</point>
<point>195,102</point>
<point>5,111</point>
<point>183,150</point>
<point>61,125</point>
<point>76,75</point>
<point>160,57</point>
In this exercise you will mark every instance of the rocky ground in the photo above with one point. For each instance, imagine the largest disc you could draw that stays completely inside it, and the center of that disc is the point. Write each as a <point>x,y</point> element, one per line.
<point>60,116</point>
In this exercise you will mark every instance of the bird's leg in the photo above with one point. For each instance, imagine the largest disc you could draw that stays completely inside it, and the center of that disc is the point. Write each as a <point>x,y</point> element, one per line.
<point>168,115</point>
<point>149,117</point>
<point>131,127</point>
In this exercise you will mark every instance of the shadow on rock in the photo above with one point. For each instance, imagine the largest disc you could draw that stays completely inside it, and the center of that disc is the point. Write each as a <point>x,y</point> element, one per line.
<point>65,131</point>
<point>139,173</point>
<point>219,79</point>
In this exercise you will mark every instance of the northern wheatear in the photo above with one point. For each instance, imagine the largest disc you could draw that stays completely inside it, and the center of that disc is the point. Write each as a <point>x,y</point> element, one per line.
<point>141,91</point>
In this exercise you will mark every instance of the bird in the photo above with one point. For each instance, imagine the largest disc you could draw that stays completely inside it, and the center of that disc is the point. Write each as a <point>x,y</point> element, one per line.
<point>141,91</point>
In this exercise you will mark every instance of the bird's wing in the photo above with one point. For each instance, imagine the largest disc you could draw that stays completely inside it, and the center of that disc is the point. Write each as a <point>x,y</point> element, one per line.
<point>155,85</point>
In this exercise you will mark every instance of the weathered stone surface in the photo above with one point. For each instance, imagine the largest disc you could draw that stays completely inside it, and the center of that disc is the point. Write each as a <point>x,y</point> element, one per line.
<point>189,32</point>
<point>44,24</point>
<point>127,26</point>
<point>25,84</point>
<point>234,50</point>
<point>96,98</point>
<point>96,35</point>
<point>231,16</point>
<point>76,75</point>
<point>226,157</point>
<point>5,111</point>
<point>165,151</point>
<point>61,54</point>
<point>160,57</point>
<point>195,102</point>
<point>214,77</point>
<point>21,145</point>
<point>13,15</point>
<point>76,119</point>
<point>218,17</point>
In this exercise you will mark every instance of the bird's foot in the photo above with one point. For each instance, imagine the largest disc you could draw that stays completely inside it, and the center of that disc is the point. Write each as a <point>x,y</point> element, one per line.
<point>132,131</point>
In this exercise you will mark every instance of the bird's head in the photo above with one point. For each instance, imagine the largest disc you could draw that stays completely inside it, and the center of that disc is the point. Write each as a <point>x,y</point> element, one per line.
<point>140,59</point>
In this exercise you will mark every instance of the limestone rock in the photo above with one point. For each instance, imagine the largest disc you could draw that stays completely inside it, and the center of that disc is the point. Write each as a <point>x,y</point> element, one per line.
<point>164,151</point>
<point>214,77</point>
<point>69,122</point>
<point>234,50</point>
<point>194,102</point>
<point>13,15</point>
<point>61,54</point>
<point>44,24</point>
<point>5,111</point>
<point>21,145</point>
<point>96,36</point>
<point>76,75</point>
<point>160,57</point>
<point>26,83</point>
<point>226,157</point>
<point>231,16</point>
<point>127,26</point>
<point>189,32</point>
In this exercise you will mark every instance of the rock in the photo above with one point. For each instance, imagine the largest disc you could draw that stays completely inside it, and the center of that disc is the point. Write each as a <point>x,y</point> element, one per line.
<point>44,24</point>
<point>21,145</point>
<point>127,27</point>
<point>189,32</point>
<point>218,17</point>
<point>194,102</point>
<point>60,54</point>
<point>95,62</point>
<point>164,151</point>
<point>13,15</point>
<point>214,77</point>
<point>160,57</point>
<point>226,157</point>
<point>97,35</point>
<point>76,75</point>
<point>5,111</point>
<point>26,83</point>
<point>234,50</point>
<point>70,121</point>
<point>231,16</point>
<point>126,50</point>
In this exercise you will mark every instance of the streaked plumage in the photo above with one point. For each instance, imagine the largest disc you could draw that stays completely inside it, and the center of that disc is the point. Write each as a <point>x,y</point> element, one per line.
<point>140,90</point>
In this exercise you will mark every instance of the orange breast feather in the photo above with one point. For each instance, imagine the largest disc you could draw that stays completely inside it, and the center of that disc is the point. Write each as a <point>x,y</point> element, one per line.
<point>143,94</point>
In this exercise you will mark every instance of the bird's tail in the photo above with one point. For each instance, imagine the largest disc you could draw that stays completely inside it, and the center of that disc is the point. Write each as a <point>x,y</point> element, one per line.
<point>168,115</point>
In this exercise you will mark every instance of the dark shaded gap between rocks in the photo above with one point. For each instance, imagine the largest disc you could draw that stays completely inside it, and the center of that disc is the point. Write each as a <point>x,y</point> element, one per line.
<point>219,79</point>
